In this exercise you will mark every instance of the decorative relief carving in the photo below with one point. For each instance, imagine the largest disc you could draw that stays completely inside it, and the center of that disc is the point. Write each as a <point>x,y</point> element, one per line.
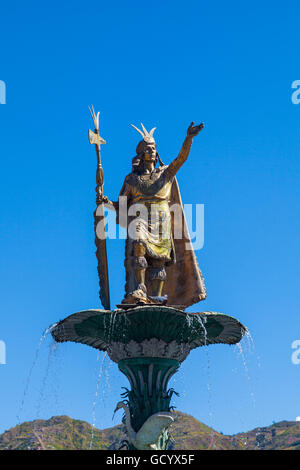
<point>148,348</point>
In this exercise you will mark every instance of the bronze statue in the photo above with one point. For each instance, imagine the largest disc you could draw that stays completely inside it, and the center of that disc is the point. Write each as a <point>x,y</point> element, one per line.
<point>159,267</point>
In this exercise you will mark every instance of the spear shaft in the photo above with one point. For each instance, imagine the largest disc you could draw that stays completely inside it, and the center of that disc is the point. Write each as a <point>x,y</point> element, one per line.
<point>99,220</point>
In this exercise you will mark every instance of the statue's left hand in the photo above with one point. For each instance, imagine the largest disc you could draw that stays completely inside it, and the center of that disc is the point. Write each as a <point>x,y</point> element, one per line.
<point>194,130</point>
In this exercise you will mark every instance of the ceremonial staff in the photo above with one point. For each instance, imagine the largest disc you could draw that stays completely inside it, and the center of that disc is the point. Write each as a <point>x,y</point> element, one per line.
<point>100,241</point>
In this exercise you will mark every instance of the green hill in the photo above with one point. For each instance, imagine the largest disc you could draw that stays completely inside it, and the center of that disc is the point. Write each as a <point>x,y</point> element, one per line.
<point>57,433</point>
<point>284,435</point>
<point>62,432</point>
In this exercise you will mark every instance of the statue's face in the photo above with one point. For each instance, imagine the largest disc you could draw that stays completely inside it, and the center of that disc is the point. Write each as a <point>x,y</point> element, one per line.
<point>150,152</point>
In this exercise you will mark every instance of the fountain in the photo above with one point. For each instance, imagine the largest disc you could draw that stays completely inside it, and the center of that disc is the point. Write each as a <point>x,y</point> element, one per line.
<point>149,336</point>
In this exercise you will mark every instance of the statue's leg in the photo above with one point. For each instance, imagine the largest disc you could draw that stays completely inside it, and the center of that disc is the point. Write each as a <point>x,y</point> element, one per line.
<point>129,266</point>
<point>140,265</point>
<point>157,276</point>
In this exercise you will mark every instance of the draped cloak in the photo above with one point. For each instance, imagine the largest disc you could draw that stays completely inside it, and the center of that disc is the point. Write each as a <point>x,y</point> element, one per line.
<point>184,283</point>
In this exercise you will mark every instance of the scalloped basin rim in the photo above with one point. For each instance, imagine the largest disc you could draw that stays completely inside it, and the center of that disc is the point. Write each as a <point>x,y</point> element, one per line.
<point>99,328</point>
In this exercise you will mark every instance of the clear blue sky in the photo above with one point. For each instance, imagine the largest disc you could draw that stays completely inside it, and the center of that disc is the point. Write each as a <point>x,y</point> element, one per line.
<point>165,63</point>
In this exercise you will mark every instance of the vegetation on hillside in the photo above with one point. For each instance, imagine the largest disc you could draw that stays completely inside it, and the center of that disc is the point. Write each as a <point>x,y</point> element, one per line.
<point>62,432</point>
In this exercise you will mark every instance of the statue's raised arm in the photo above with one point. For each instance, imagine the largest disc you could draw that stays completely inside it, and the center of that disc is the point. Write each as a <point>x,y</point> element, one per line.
<point>185,149</point>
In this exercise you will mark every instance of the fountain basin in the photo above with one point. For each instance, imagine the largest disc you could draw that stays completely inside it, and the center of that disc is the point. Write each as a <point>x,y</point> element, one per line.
<point>148,343</point>
<point>148,331</point>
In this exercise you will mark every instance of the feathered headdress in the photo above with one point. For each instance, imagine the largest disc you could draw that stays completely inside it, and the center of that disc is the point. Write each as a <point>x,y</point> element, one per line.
<point>147,136</point>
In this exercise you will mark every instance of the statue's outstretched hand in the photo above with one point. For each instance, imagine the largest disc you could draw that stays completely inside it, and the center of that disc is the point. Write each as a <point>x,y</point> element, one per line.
<point>194,130</point>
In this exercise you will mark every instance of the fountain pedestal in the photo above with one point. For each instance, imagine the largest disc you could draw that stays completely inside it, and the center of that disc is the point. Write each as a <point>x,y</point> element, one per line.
<point>148,343</point>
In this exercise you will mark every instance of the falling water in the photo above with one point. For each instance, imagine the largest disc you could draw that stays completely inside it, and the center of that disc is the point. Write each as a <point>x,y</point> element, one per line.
<point>240,349</point>
<point>95,400</point>
<point>35,436</point>
<point>110,325</point>
<point>212,444</point>
<point>178,380</point>
<point>243,350</point>
<point>250,341</point>
<point>192,321</point>
<point>237,410</point>
<point>106,373</point>
<point>108,329</point>
<point>251,347</point>
<point>242,355</point>
<point>56,374</point>
<point>28,380</point>
<point>52,349</point>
